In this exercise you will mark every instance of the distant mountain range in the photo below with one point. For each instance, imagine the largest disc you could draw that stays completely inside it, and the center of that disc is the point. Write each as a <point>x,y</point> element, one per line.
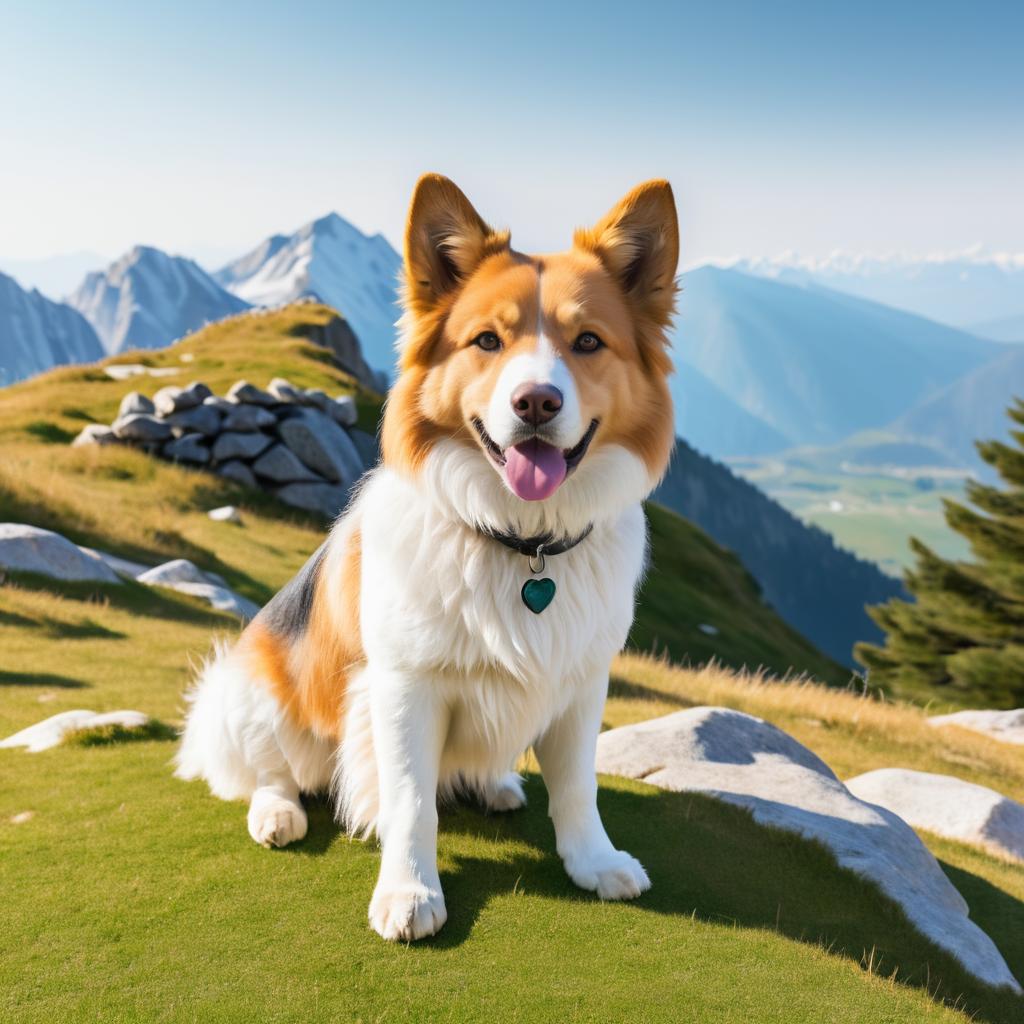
<point>965,289</point>
<point>334,261</point>
<point>148,299</point>
<point>37,334</point>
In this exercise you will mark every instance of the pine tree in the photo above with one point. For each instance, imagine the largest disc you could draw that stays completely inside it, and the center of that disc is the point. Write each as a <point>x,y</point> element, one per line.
<point>963,636</point>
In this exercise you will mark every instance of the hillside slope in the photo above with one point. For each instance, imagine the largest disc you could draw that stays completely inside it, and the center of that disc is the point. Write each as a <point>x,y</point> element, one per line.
<point>818,588</point>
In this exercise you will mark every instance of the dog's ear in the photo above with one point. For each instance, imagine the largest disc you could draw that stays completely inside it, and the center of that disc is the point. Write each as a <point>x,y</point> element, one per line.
<point>445,241</point>
<point>638,242</point>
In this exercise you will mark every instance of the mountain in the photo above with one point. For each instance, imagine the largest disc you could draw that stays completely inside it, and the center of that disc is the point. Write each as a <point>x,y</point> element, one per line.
<point>36,334</point>
<point>335,262</point>
<point>148,299</point>
<point>1005,328</point>
<point>813,364</point>
<point>54,276</point>
<point>971,408</point>
<point>818,588</point>
<point>953,288</point>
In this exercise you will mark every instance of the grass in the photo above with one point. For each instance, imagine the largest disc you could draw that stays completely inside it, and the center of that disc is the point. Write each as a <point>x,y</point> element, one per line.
<point>130,896</point>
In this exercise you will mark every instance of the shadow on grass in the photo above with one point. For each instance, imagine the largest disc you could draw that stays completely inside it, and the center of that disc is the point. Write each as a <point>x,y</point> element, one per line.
<point>628,690</point>
<point>711,862</point>
<point>40,679</point>
<point>86,629</point>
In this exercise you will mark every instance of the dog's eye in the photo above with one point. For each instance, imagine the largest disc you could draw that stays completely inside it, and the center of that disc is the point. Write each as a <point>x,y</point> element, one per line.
<point>488,341</point>
<point>587,342</point>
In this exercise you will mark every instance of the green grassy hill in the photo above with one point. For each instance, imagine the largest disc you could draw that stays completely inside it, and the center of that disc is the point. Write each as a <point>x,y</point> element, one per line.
<point>130,896</point>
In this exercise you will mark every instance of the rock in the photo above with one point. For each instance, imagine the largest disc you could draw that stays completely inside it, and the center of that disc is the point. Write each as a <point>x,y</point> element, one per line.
<point>179,570</point>
<point>249,417</point>
<point>234,445</point>
<point>95,433</point>
<point>343,410</point>
<point>202,419</point>
<point>278,463</point>
<point>339,337</point>
<point>243,392</point>
<point>315,397</point>
<point>1007,726</point>
<point>174,399</point>
<point>322,445</point>
<point>26,548</point>
<point>746,761</point>
<point>226,514</point>
<point>948,807</point>
<point>221,598</point>
<point>141,427</point>
<point>707,629</point>
<point>367,446</point>
<point>51,731</point>
<point>283,390</point>
<point>188,448</point>
<point>134,402</point>
<point>325,499</point>
<point>238,472</point>
<point>122,566</point>
<point>123,371</point>
<point>220,404</point>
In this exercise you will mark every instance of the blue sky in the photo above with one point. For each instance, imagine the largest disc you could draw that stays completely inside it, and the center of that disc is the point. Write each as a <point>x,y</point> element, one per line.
<point>201,128</point>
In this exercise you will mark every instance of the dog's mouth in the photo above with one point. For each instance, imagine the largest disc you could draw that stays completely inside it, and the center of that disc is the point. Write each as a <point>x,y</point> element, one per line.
<point>534,469</point>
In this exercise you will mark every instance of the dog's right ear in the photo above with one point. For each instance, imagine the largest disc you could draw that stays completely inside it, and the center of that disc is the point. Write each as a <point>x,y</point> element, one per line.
<point>445,241</point>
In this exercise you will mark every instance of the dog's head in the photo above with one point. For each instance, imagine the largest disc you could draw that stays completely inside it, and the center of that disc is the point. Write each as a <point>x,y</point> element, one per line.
<point>533,388</point>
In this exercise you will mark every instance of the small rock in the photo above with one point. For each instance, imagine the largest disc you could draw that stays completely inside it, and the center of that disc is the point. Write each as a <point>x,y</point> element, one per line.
<point>188,448</point>
<point>1007,726</point>
<point>947,806</point>
<point>226,514</point>
<point>343,410</point>
<point>221,598</point>
<point>174,399</point>
<point>278,463</point>
<point>283,390</point>
<point>220,404</point>
<point>707,629</point>
<point>179,570</point>
<point>237,472</point>
<point>248,394</point>
<point>26,548</point>
<point>200,390</point>
<point>746,761</point>
<point>95,433</point>
<point>322,445</point>
<point>236,445</point>
<point>51,731</point>
<point>135,402</point>
<point>123,371</point>
<point>202,419</point>
<point>316,398</point>
<point>326,500</point>
<point>249,417</point>
<point>141,427</point>
<point>22,817</point>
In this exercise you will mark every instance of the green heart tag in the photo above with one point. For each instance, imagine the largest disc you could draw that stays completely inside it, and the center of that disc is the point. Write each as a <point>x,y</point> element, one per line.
<point>538,594</point>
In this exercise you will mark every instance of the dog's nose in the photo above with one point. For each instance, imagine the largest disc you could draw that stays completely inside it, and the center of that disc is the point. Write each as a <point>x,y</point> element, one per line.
<point>536,403</point>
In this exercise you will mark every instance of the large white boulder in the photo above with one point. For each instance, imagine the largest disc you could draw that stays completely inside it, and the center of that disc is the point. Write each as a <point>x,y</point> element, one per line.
<point>746,761</point>
<point>1007,726</point>
<point>27,548</point>
<point>51,731</point>
<point>947,806</point>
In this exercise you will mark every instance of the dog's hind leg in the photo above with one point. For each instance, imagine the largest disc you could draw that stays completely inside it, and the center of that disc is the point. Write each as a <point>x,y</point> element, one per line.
<point>505,793</point>
<point>276,816</point>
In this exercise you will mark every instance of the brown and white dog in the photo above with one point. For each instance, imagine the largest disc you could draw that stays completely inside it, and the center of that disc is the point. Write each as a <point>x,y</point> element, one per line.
<point>469,601</point>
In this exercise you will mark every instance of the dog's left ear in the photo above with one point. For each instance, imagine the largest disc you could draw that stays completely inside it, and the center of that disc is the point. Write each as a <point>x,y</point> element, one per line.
<point>638,242</point>
<point>445,241</point>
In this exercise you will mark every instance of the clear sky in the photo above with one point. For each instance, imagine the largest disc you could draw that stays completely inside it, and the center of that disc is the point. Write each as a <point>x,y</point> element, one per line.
<point>203,127</point>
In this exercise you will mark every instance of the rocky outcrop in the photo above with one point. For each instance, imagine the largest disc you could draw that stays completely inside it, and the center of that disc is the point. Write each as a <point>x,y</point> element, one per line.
<point>299,444</point>
<point>1007,726</point>
<point>947,806</point>
<point>53,730</point>
<point>25,548</point>
<point>746,761</point>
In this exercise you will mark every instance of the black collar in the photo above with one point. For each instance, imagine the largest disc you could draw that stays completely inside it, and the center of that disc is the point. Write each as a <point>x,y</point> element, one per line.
<point>534,547</point>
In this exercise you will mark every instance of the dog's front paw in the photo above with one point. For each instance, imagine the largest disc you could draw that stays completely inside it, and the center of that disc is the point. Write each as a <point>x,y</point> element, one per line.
<point>407,912</point>
<point>276,821</point>
<point>615,875</point>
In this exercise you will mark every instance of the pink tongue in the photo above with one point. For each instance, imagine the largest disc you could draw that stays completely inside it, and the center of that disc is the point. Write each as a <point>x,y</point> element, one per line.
<point>534,469</point>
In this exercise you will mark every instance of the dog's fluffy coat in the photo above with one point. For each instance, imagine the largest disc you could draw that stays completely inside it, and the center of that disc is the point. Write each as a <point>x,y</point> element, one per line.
<point>401,662</point>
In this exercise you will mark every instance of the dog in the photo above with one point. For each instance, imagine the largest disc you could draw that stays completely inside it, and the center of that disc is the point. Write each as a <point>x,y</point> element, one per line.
<point>468,602</point>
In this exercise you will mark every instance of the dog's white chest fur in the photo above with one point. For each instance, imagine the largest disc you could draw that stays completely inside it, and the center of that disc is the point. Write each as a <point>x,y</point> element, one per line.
<point>441,604</point>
